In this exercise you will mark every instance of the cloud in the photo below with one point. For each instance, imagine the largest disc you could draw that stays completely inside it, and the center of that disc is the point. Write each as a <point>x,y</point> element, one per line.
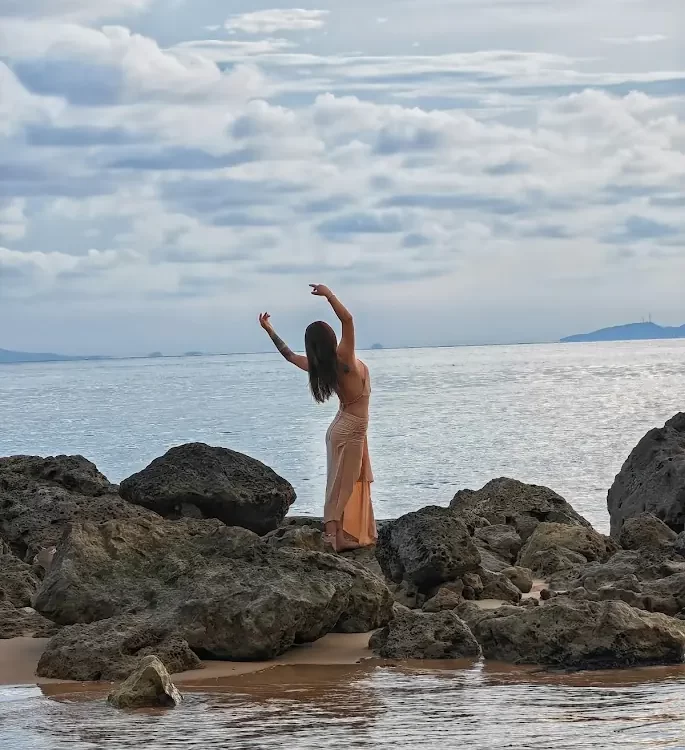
<point>491,182</point>
<point>637,39</point>
<point>361,223</point>
<point>221,50</point>
<point>12,220</point>
<point>184,159</point>
<point>112,65</point>
<point>270,21</point>
<point>80,136</point>
<point>641,228</point>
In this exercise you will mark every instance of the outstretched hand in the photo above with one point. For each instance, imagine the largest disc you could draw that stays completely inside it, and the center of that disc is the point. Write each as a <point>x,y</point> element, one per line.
<point>265,321</point>
<point>319,290</point>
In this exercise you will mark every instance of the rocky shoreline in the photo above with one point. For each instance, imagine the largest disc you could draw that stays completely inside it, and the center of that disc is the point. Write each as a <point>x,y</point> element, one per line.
<point>196,558</point>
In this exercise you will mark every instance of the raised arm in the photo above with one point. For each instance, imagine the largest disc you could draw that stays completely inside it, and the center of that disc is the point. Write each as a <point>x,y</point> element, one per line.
<point>346,346</point>
<point>297,359</point>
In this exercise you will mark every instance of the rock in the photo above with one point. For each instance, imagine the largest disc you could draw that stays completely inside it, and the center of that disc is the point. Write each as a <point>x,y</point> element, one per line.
<point>40,497</point>
<point>521,506</point>
<point>646,532</point>
<point>369,602</point>
<point>556,563</point>
<point>577,539</point>
<point>640,565</point>
<point>23,622</point>
<point>621,565</point>
<point>417,635</point>
<point>43,560</point>
<point>580,635</point>
<point>200,481</point>
<point>110,650</point>
<point>652,480</point>
<point>474,582</point>
<point>311,538</point>
<point>444,600</point>
<point>300,537</point>
<point>502,540</point>
<point>500,588</point>
<point>229,593</point>
<point>428,547</point>
<point>522,578</point>
<point>553,548</point>
<point>679,544</point>
<point>312,522</point>
<point>489,561</point>
<point>149,685</point>
<point>18,582</point>
<point>407,595</point>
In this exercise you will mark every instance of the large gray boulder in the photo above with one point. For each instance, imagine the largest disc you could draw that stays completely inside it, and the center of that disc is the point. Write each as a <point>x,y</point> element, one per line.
<point>581,634</point>
<point>419,635</point>
<point>149,685</point>
<point>229,593</point>
<point>201,481</point>
<point>552,542</point>
<point>110,650</point>
<point>426,548</point>
<point>521,506</point>
<point>40,497</point>
<point>652,480</point>
<point>646,532</point>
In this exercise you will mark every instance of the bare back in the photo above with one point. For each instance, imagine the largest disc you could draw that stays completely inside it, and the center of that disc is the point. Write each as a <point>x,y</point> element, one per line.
<point>355,390</point>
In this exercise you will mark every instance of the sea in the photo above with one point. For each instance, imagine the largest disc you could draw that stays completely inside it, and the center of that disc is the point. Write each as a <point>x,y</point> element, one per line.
<point>562,415</point>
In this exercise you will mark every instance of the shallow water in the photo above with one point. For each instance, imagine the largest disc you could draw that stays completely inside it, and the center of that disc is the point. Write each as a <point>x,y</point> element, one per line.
<point>372,707</point>
<point>442,419</point>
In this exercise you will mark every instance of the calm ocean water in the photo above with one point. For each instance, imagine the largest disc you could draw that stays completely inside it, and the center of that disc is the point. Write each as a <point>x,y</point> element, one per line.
<point>371,708</point>
<point>442,419</point>
<point>565,416</point>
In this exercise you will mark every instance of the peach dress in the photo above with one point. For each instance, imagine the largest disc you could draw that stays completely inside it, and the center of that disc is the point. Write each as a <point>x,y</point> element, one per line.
<point>348,489</point>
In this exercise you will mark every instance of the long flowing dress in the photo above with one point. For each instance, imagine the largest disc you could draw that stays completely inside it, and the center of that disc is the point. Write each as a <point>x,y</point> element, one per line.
<point>348,488</point>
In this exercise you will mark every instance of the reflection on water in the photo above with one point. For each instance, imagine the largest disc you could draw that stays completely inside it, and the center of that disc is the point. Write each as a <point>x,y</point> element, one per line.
<point>370,707</point>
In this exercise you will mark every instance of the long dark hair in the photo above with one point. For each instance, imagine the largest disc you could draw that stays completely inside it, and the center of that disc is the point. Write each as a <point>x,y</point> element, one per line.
<point>321,345</point>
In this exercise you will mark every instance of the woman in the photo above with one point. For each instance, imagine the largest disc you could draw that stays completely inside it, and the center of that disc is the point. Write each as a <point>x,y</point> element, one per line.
<point>334,369</point>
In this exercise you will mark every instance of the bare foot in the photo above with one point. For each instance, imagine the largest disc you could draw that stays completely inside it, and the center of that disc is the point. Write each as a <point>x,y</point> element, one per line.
<point>346,545</point>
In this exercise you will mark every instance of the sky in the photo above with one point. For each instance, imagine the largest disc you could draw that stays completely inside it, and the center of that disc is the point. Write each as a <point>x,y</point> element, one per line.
<point>457,171</point>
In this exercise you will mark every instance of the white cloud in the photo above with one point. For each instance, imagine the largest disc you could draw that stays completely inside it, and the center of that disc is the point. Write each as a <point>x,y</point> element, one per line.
<point>277,19</point>
<point>637,39</point>
<point>220,50</point>
<point>12,220</point>
<point>18,106</point>
<point>488,176</point>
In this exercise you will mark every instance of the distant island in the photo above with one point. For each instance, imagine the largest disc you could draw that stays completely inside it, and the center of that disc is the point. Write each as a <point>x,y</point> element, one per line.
<point>629,332</point>
<point>377,347</point>
<point>10,357</point>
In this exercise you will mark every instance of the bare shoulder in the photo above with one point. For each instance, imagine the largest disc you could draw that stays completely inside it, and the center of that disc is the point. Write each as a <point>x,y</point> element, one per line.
<point>355,367</point>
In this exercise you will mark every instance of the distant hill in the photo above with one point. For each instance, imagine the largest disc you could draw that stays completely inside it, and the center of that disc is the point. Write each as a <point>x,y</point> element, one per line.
<point>7,357</point>
<point>630,332</point>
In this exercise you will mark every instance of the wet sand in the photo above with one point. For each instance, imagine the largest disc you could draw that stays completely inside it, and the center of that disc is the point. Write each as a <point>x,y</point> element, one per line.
<point>19,659</point>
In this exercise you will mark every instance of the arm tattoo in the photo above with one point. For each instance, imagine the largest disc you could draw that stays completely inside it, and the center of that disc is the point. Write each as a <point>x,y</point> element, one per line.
<point>282,347</point>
